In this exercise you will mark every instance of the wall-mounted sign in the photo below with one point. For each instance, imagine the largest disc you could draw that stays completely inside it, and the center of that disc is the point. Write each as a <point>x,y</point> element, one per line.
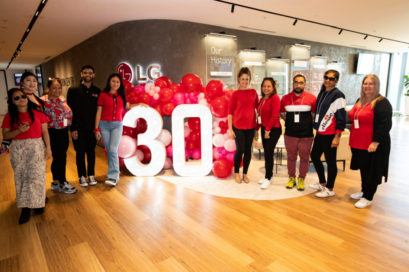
<point>152,72</point>
<point>125,71</point>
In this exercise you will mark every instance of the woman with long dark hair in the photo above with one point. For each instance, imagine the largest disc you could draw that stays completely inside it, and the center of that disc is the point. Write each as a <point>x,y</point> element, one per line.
<point>28,128</point>
<point>108,122</point>
<point>29,84</point>
<point>268,112</point>
<point>370,141</point>
<point>242,122</point>
<point>329,123</point>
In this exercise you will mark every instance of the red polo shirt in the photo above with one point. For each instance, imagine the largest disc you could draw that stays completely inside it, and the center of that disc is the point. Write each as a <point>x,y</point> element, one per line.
<point>112,106</point>
<point>243,104</point>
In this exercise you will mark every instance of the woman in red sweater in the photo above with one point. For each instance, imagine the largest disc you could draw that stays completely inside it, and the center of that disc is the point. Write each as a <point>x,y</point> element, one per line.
<point>242,121</point>
<point>268,118</point>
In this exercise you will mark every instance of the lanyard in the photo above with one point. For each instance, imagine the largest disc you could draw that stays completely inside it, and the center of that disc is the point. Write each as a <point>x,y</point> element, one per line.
<point>302,101</point>
<point>322,101</point>
<point>261,105</point>
<point>356,114</point>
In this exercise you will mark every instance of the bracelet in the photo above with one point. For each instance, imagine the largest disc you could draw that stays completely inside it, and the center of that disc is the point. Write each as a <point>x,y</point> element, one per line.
<point>97,129</point>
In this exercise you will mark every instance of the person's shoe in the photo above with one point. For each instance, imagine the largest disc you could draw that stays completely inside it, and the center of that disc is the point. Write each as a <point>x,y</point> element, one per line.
<point>83,182</point>
<point>111,182</point>
<point>325,193</point>
<point>39,210</point>
<point>55,186</point>
<point>291,183</point>
<point>262,180</point>
<point>266,183</point>
<point>25,216</point>
<point>357,195</point>
<point>316,186</point>
<point>92,180</point>
<point>363,203</point>
<point>300,184</point>
<point>246,180</point>
<point>67,188</point>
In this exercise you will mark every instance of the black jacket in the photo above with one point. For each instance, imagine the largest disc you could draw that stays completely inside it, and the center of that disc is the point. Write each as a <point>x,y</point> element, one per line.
<point>380,158</point>
<point>83,103</point>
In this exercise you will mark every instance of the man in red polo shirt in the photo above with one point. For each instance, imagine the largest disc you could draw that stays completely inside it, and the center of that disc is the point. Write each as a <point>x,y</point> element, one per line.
<point>297,109</point>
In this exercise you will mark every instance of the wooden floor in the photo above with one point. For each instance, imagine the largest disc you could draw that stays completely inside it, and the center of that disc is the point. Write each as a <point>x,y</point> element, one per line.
<point>147,224</point>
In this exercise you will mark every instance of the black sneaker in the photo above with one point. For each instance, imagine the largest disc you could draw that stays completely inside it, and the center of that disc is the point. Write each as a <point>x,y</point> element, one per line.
<point>39,210</point>
<point>25,216</point>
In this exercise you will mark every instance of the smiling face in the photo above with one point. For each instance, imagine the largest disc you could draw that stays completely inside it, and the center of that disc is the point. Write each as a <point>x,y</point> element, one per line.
<point>244,81</point>
<point>55,90</point>
<point>329,81</point>
<point>19,99</point>
<point>114,83</point>
<point>368,87</point>
<point>29,84</point>
<point>87,75</point>
<point>267,88</point>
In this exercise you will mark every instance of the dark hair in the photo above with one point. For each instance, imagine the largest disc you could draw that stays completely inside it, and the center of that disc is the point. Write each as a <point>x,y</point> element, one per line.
<point>300,75</point>
<point>244,71</point>
<point>51,81</point>
<point>26,75</point>
<point>12,108</point>
<point>336,74</point>
<point>121,90</point>
<point>273,83</point>
<point>87,67</point>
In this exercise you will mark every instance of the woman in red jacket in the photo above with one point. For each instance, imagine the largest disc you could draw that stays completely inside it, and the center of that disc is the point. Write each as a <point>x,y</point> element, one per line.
<point>242,121</point>
<point>269,120</point>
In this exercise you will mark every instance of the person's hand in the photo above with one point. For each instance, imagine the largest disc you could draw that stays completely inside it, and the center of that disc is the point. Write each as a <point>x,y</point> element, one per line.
<point>98,135</point>
<point>48,153</point>
<point>335,142</point>
<point>74,134</point>
<point>267,135</point>
<point>232,135</point>
<point>373,146</point>
<point>256,136</point>
<point>24,128</point>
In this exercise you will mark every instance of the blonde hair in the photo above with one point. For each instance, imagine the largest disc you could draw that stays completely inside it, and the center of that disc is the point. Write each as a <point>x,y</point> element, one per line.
<point>375,96</point>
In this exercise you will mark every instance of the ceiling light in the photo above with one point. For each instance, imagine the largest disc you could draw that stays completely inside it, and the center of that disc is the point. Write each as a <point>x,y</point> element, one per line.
<point>381,40</point>
<point>232,8</point>
<point>340,32</point>
<point>366,37</point>
<point>296,20</point>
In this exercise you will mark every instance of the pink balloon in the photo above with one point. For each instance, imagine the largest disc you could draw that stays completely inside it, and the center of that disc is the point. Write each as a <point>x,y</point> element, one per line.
<point>186,131</point>
<point>187,138</point>
<point>202,101</point>
<point>188,101</point>
<point>151,92</point>
<point>139,154</point>
<point>226,136</point>
<point>196,154</point>
<point>156,96</point>
<point>165,137</point>
<point>186,95</point>
<point>230,145</point>
<point>178,98</point>
<point>230,156</point>
<point>126,147</point>
<point>139,89</point>
<point>148,86</point>
<point>187,154</point>
<point>215,153</point>
<point>168,163</point>
<point>156,89</point>
<point>169,151</point>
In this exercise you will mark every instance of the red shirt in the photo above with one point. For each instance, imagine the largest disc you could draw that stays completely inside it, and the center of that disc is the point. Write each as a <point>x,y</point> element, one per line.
<point>361,137</point>
<point>269,111</point>
<point>112,106</point>
<point>242,106</point>
<point>24,118</point>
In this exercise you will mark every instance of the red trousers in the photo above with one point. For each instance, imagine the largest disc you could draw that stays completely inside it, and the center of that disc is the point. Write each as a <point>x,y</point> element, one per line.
<point>298,146</point>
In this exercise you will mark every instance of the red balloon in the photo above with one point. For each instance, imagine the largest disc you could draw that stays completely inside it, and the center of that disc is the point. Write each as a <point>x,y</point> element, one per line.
<point>141,126</point>
<point>168,108</point>
<point>144,98</point>
<point>161,83</point>
<point>121,162</point>
<point>191,144</point>
<point>228,93</point>
<point>127,131</point>
<point>222,168</point>
<point>158,107</point>
<point>214,89</point>
<point>128,86</point>
<point>191,83</point>
<point>132,97</point>
<point>147,156</point>
<point>165,95</point>
<point>219,107</point>
<point>176,88</point>
<point>195,135</point>
<point>142,84</point>
<point>194,123</point>
<point>166,79</point>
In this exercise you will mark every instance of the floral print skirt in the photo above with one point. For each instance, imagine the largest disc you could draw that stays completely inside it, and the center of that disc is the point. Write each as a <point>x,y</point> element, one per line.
<point>28,161</point>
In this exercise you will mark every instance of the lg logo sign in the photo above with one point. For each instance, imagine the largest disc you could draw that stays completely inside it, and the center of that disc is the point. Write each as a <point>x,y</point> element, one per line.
<point>152,73</point>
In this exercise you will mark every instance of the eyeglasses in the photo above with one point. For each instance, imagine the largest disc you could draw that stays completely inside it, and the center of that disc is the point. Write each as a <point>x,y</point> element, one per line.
<point>369,84</point>
<point>298,83</point>
<point>17,98</point>
<point>329,78</point>
<point>87,73</point>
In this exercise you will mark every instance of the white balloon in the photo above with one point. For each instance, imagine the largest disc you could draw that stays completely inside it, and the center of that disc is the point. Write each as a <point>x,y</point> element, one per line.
<point>165,137</point>
<point>218,129</point>
<point>218,140</point>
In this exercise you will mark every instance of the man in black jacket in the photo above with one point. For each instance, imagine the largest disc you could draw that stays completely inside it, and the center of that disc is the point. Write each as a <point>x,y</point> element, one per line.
<point>82,100</point>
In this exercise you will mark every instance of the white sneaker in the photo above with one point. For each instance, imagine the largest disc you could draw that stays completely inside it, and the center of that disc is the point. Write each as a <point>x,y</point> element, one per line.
<point>92,180</point>
<point>325,193</point>
<point>357,195</point>
<point>262,180</point>
<point>266,183</point>
<point>363,203</point>
<point>83,182</point>
<point>67,189</point>
<point>316,186</point>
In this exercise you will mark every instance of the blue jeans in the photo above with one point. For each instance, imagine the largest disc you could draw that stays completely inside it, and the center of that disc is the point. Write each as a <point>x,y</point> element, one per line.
<point>111,133</point>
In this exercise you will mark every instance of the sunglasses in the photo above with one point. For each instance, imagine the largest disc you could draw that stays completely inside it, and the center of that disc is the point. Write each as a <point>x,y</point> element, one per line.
<point>17,97</point>
<point>329,78</point>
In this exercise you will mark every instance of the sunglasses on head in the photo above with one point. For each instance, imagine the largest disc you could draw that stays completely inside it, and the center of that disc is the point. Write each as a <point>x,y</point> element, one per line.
<point>329,78</point>
<point>17,97</point>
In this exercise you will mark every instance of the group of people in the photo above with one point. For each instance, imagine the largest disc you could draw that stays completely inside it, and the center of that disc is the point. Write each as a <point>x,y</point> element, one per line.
<point>303,113</point>
<point>37,128</point>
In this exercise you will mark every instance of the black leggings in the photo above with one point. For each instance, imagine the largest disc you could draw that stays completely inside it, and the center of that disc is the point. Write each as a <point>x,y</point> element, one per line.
<point>59,141</point>
<point>244,139</point>
<point>269,145</point>
<point>322,144</point>
<point>363,158</point>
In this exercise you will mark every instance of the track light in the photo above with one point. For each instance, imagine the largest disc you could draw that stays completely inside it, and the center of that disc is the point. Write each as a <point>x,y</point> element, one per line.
<point>366,37</point>
<point>340,32</point>
<point>232,8</point>
<point>295,22</point>
<point>381,40</point>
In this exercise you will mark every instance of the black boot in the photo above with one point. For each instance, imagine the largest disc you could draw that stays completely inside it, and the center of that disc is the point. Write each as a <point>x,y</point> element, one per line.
<point>25,216</point>
<point>39,210</point>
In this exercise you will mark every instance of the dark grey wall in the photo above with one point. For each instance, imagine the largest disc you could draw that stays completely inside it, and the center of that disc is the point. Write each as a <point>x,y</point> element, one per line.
<point>179,47</point>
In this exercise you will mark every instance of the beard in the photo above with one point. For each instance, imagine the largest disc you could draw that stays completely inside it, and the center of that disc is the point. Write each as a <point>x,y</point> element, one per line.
<point>87,79</point>
<point>298,91</point>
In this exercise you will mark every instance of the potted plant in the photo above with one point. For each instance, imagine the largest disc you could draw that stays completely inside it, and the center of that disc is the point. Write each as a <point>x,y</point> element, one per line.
<point>406,86</point>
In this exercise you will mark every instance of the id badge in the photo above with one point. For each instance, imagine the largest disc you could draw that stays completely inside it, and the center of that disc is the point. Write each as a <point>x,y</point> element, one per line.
<point>65,122</point>
<point>259,119</point>
<point>317,117</point>
<point>296,118</point>
<point>356,123</point>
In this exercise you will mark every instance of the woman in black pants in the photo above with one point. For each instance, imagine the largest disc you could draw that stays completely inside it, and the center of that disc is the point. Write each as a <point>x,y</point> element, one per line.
<point>329,122</point>
<point>242,122</point>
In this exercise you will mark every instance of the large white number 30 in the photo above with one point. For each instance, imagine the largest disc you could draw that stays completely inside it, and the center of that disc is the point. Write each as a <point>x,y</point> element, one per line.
<point>158,151</point>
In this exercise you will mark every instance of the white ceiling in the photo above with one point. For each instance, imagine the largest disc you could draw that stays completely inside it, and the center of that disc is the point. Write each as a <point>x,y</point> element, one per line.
<point>66,23</point>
